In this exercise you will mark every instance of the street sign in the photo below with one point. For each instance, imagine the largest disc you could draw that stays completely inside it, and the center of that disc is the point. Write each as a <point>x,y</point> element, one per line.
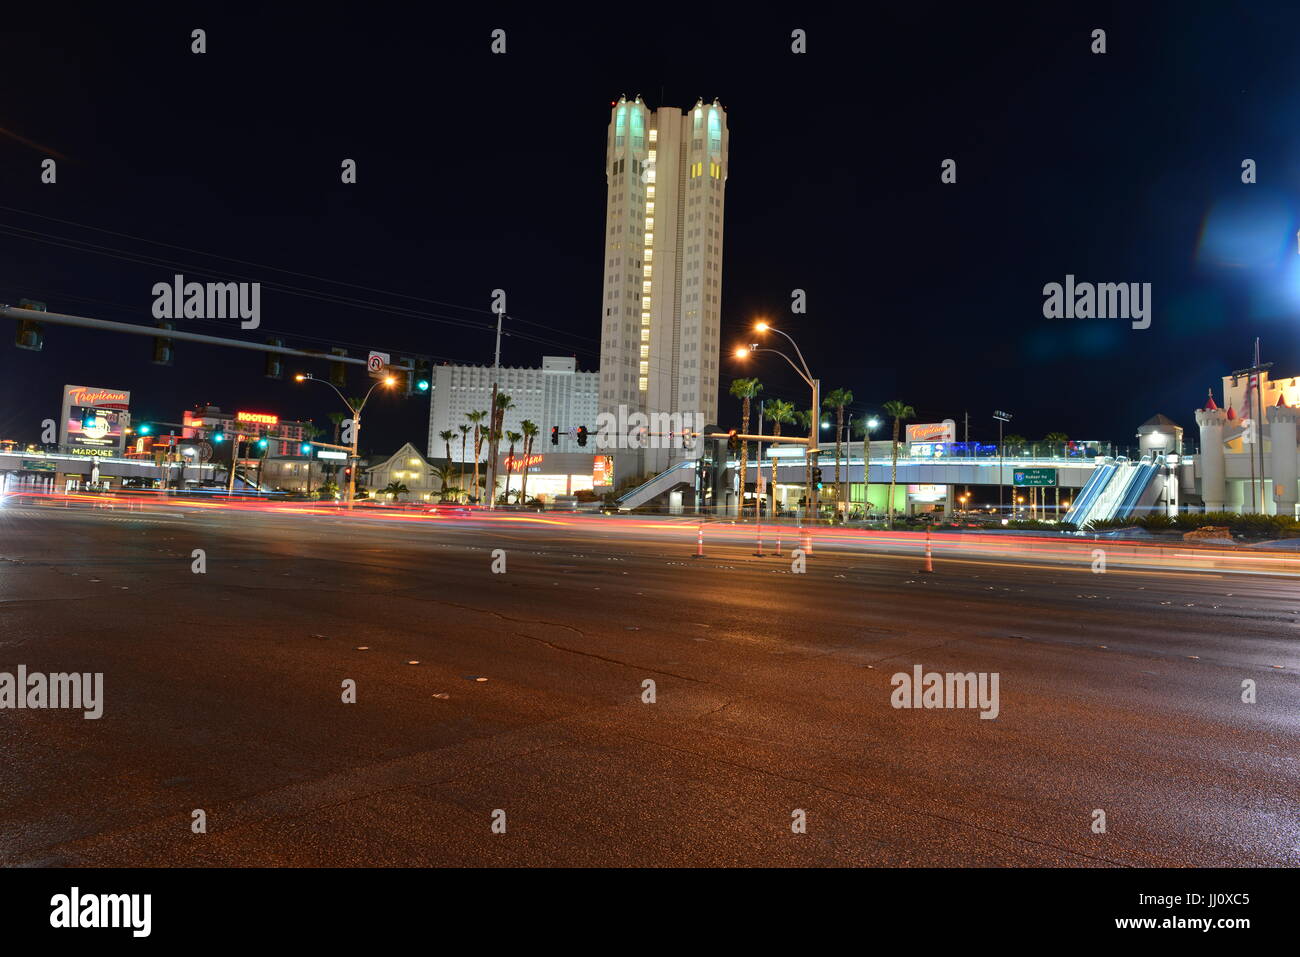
<point>32,466</point>
<point>330,454</point>
<point>1034,477</point>
<point>377,361</point>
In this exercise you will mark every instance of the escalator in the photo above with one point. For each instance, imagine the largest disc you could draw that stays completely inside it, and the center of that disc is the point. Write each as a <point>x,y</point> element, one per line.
<point>683,473</point>
<point>1081,512</point>
<point>1118,490</point>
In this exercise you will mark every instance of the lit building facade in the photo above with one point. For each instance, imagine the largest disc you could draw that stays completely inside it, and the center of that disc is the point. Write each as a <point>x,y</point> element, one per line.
<point>666,172</point>
<point>557,394</point>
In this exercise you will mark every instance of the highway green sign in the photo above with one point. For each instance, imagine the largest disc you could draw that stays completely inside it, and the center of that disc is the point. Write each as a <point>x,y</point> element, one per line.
<point>1034,477</point>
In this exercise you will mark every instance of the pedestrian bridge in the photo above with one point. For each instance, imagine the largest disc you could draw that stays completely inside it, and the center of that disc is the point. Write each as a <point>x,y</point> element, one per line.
<point>1072,472</point>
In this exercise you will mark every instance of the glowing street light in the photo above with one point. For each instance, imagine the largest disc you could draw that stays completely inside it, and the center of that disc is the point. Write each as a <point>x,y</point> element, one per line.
<point>801,369</point>
<point>351,471</point>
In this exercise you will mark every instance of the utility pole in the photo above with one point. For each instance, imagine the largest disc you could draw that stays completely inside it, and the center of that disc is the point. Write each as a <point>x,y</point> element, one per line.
<point>492,421</point>
<point>1002,417</point>
<point>814,448</point>
<point>1255,380</point>
<point>966,441</point>
<point>234,460</point>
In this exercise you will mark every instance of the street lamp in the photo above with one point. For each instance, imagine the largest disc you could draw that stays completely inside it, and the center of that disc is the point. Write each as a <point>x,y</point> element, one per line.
<point>814,384</point>
<point>356,424</point>
<point>869,425</point>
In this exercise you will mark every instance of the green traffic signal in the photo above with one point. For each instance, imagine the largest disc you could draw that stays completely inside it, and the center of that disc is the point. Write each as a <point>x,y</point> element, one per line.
<point>219,437</point>
<point>146,429</point>
<point>422,385</point>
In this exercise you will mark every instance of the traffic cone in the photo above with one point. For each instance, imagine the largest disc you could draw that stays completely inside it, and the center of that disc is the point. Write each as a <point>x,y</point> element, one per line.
<point>699,543</point>
<point>929,559</point>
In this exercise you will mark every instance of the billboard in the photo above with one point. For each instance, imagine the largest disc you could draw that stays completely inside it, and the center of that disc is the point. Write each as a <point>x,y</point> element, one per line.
<point>602,470</point>
<point>945,431</point>
<point>94,420</point>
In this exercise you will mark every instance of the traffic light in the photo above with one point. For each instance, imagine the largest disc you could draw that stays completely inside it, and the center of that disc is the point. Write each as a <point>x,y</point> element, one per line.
<point>338,370</point>
<point>582,435</point>
<point>262,442</point>
<point>274,361</point>
<point>733,443</point>
<point>30,335</point>
<point>817,477</point>
<point>218,438</point>
<point>306,448</point>
<point>145,429</point>
<point>423,376</point>
<point>403,371</point>
<point>163,350</point>
<point>555,435</point>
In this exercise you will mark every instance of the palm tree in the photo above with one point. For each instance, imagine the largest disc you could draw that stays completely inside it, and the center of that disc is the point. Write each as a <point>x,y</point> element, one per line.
<point>837,400</point>
<point>898,410</point>
<point>744,390</point>
<point>446,476</point>
<point>337,418</point>
<point>476,419</point>
<point>503,404</point>
<point>530,430</point>
<point>865,427</point>
<point>513,438</point>
<point>395,489</point>
<point>446,437</point>
<point>464,435</point>
<point>777,411</point>
<point>311,432</point>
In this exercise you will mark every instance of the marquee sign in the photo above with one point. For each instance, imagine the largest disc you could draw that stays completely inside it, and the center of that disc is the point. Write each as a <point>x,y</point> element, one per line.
<point>517,463</point>
<point>945,431</point>
<point>94,420</point>
<point>261,418</point>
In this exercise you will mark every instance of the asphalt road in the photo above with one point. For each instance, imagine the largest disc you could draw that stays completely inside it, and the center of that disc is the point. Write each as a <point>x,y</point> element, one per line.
<point>522,692</point>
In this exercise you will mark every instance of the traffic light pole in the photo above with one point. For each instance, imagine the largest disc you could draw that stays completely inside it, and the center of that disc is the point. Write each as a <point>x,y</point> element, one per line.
<point>104,325</point>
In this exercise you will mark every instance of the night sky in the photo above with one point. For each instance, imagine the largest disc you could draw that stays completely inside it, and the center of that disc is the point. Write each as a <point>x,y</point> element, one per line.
<point>478,172</point>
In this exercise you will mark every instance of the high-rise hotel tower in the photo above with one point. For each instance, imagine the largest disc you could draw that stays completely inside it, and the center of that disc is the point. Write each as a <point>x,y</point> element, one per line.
<point>666,171</point>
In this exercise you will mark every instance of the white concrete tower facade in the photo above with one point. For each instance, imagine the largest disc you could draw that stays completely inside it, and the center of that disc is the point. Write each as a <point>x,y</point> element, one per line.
<point>1212,460</point>
<point>666,173</point>
<point>1282,435</point>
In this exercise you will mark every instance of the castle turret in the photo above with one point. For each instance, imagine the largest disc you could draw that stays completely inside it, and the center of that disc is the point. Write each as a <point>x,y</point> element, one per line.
<point>1282,434</point>
<point>1211,420</point>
